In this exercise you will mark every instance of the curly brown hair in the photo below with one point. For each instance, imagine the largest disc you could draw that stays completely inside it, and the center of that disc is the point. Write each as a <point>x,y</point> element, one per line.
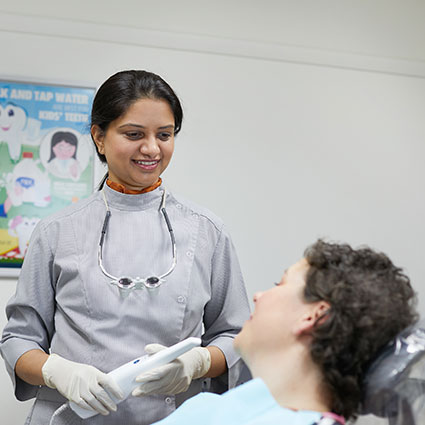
<point>371,301</point>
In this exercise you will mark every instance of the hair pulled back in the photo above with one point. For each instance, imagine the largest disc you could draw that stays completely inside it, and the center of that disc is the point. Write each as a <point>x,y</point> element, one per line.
<point>122,89</point>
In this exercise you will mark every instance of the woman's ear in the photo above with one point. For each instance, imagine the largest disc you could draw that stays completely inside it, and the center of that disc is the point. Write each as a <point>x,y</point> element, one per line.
<point>316,313</point>
<point>98,137</point>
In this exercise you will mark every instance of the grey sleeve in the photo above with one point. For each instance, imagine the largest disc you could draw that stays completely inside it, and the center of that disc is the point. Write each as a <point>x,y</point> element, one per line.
<point>30,312</point>
<point>228,308</point>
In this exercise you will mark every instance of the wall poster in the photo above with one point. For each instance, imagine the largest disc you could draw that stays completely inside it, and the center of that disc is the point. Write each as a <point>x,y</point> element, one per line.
<point>46,159</point>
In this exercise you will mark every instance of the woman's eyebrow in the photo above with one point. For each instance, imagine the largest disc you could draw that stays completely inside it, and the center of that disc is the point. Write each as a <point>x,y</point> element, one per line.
<point>132,125</point>
<point>164,127</point>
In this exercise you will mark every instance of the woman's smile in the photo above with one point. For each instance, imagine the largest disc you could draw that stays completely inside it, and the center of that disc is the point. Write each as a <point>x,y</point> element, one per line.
<point>146,165</point>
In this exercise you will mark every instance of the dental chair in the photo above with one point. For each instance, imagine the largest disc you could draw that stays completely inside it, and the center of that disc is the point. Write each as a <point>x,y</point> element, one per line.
<point>395,381</point>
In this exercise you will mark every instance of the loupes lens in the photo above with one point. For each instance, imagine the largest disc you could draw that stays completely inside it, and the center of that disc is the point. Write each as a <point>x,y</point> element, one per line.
<point>125,282</point>
<point>152,282</point>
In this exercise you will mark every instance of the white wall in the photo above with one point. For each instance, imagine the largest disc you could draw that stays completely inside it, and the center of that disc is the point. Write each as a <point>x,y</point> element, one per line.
<point>286,144</point>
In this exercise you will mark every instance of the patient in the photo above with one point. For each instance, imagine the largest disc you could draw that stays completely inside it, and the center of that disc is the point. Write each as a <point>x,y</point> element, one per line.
<point>310,341</point>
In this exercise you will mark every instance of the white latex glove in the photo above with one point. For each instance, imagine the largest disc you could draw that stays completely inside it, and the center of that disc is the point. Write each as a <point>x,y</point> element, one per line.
<point>82,384</point>
<point>176,376</point>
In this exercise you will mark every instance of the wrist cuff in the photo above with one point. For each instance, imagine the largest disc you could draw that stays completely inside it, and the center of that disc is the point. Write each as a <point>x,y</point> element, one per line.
<point>46,370</point>
<point>204,362</point>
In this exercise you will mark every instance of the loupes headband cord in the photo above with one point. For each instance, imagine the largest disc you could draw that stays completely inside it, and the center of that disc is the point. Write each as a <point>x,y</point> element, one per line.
<point>126,283</point>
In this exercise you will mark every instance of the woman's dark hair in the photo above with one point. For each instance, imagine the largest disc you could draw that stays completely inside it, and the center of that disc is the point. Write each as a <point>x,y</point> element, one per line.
<point>122,89</point>
<point>371,301</point>
<point>58,137</point>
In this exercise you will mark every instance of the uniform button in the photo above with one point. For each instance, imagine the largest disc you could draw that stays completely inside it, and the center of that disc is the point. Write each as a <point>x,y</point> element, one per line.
<point>181,299</point>
<point>178,206</point>
<point>189,254</point>
<point>168,400</point>
<point>195,215</point>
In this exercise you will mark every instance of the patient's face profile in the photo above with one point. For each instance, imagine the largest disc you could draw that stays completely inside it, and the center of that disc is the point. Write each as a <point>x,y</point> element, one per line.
<point>276,314</point>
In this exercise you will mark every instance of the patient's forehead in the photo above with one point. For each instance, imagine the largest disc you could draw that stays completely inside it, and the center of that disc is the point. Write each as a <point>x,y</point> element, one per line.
<point>297,270</point>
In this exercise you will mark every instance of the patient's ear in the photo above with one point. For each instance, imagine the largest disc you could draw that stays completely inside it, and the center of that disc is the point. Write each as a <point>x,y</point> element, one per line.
<point>315,312</point>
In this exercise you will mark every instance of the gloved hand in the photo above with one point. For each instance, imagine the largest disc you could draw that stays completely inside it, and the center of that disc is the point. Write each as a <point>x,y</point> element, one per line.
<point>82,384</point>
<point>176,376</point>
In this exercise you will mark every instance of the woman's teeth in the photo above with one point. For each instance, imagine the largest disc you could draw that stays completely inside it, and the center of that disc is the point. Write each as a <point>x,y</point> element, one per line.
<point>146,162</point>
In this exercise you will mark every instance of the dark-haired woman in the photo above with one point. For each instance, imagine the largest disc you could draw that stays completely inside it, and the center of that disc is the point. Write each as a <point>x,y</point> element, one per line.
<point>164,270</point>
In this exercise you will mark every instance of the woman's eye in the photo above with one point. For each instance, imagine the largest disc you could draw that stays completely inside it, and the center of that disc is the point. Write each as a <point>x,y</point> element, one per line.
<point>164,136</point>
<point>134,135</point>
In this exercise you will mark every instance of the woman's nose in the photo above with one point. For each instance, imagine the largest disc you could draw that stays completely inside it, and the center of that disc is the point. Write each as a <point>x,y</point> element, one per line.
<point>150,146</point>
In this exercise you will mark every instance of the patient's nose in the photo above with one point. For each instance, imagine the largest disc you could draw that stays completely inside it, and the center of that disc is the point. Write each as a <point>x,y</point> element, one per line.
<point>257,296</point>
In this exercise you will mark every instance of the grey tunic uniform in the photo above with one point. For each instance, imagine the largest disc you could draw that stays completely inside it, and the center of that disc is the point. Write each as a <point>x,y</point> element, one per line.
<point>63,302</point>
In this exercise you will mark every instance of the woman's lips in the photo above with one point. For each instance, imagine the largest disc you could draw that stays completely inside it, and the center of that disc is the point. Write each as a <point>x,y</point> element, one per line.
<point>146,165</point>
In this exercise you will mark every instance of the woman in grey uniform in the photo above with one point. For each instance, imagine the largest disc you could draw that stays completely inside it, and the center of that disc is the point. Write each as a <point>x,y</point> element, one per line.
<point>129,266</point>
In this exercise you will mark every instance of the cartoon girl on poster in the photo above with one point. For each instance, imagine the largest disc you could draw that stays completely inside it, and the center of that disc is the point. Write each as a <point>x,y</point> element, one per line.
<point>63,156</point>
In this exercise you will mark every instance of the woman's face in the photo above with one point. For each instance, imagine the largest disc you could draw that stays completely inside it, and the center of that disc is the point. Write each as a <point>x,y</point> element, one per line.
<point>138,146</point>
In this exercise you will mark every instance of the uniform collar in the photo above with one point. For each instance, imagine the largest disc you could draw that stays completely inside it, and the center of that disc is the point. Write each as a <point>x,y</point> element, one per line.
<point>121,188</point>
<point>137,202</point>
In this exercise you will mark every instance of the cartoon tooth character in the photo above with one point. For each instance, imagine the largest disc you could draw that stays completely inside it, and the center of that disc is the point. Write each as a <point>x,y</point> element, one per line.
<point>22,227</point>
<point>12,123</point>
<point>27,183</point>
